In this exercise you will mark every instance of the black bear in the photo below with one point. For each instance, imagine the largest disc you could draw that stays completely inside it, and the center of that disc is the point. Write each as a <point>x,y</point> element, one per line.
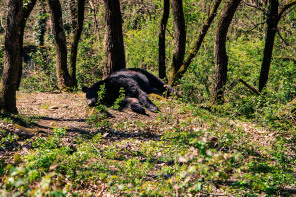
<point>137,84</point>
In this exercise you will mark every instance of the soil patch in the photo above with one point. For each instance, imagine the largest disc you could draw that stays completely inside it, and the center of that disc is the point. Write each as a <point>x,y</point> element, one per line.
<point>57,110</point>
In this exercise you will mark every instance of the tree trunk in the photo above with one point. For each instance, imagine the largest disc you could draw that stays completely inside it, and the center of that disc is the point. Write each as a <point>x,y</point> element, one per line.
<point>77,12</point>
<point>161,43</point>
<point>13,57</point>
<point>180,38</point>
<point>273,19</point>
<point>221,58</point>
<point>64,79</point>
<point>114,47</point>
<point>26,11</point>
<point>194,51</point>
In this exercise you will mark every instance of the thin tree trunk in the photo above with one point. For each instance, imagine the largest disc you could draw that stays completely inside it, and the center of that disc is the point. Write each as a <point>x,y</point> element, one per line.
<point>13,57</point>
<point>114,47</point>
<point>26,11</point>
<point>273,19</point>
<point>161,43</point>
<point>180,37</point>
<point>77,12</point>
<point>64,79</point>
<point>195,49</point>
<point>221,58</point>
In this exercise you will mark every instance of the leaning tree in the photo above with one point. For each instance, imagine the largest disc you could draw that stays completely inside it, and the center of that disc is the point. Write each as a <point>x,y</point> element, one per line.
<point>193,52</point>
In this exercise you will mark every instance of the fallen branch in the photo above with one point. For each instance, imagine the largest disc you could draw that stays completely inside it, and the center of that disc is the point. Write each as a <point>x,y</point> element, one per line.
<point>253,89</point>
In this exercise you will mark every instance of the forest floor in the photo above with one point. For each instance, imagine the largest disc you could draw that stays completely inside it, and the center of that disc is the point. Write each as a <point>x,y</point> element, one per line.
<point>68,110</point>
<point>59,110</point>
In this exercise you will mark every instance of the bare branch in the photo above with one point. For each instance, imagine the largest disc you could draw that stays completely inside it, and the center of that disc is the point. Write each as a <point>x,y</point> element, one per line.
<point>285,7</point>
<point>255,6</point>
<point>253,89</point>
<point>285,42</point>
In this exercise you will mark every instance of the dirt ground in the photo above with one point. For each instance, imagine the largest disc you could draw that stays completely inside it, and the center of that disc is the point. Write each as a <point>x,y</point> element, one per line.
<point>56,110</point>
<point>67,110</point>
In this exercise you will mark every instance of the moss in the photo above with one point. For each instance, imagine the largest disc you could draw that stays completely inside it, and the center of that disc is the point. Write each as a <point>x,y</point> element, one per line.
<point>66,89</point>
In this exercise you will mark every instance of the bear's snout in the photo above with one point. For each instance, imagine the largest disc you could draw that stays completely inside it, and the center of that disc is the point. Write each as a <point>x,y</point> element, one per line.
<point>91,102</point>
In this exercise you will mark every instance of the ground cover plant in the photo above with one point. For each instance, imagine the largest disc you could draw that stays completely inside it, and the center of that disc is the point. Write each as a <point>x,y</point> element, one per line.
<point>184,150</point>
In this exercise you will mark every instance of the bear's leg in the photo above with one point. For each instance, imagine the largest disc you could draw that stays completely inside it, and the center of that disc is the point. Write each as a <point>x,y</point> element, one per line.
<point>144,100</point>
<point>134,104</point>
<point>135,91</point>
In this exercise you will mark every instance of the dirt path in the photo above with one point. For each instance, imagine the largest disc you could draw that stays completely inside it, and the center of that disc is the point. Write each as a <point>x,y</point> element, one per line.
<point>67,110</point>
<point>56,110</point>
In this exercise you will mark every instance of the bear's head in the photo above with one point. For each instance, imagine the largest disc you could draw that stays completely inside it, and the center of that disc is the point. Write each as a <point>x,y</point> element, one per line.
<point>91,96</point>
<point>91,93</point>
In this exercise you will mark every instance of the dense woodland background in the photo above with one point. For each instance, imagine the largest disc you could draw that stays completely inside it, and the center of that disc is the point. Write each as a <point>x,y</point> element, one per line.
<point>272,108</point>
<point>141,21</point>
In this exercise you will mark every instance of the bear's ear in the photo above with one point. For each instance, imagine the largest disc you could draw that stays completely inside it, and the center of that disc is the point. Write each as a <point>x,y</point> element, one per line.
<point>84,89</point>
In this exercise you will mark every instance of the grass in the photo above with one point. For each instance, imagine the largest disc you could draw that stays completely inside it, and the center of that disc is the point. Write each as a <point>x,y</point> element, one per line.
<point>187,150</point>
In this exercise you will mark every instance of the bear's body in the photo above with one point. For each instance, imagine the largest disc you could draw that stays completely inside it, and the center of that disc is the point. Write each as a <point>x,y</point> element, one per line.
<point>137,84</point>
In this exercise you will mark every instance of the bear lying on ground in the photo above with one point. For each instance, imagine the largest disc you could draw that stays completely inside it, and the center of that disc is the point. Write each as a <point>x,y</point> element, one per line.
<point>137,84</point>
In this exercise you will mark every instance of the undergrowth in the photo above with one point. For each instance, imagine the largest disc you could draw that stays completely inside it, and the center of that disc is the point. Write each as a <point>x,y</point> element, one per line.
<point>187,150</point>
<point>245,147</point>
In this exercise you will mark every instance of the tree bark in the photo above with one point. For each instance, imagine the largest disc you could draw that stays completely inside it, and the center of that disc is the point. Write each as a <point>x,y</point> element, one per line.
<point>195,49</point>
<point>13,57</point>
<point>221,58</point>
<point>180,37</point>
<point>26,11</point>
<point>273,19</point>
<point>77,12</point>
<point>64,80</point>
<point>161,42</point>
<point>114,47</point>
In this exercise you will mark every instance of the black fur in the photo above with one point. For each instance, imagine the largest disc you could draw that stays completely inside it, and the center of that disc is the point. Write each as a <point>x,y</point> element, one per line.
<point>137,84</point>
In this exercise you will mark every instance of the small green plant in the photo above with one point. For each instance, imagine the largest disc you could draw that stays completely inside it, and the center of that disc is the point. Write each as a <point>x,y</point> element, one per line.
<point>48,150</point>
<point>101,93</point>
<point>6,136</point>
<point>24,181</point>
<point>117,102</point>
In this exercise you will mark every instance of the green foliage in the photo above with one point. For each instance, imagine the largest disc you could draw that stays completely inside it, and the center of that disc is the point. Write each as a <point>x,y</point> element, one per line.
<point>40,26</point>
<point>40,75</point>
<point>23,181</point>
<point>117,102</point>
<point>137,42</point>
<point>90,60</point>
<point>245,147</point>
<point>48,150</point>
<point>5,136</point>
<point>191,156</point>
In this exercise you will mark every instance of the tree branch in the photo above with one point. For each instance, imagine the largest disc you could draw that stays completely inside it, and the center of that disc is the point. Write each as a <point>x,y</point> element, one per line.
<point>285,7</point>
<point>253,89</point>
<point>255,6</point>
